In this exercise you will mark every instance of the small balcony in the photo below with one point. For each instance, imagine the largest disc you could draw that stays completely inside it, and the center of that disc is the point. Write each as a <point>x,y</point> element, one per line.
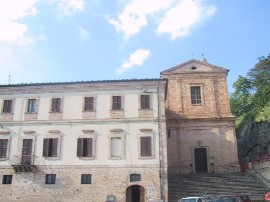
<point>24,163</point>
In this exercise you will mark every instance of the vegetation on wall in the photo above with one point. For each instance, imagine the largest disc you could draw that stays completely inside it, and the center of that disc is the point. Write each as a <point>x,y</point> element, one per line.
<point>250,101</point>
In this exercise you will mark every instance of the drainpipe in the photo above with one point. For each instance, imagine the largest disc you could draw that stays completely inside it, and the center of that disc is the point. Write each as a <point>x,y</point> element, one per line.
<point>161,152</point>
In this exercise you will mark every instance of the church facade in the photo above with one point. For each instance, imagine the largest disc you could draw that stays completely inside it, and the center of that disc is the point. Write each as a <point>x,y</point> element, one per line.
<point>114,140</point>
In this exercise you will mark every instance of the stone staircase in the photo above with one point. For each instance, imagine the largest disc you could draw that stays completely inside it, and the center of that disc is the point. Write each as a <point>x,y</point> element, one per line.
<point>185,185</point>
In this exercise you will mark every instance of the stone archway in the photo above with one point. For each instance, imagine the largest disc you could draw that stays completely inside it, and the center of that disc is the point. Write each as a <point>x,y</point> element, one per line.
<point>135,193</point>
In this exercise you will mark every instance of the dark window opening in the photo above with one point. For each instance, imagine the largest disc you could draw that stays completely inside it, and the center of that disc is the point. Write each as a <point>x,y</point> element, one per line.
<point>50,147</point>
<point>7,179</point>
<point>89,104</point>
<point>86,179</point>
<point>195,92</point>
<point>85,147</point>
<point>7,108</point>
<point>116,103</point>
<point>56,105</point>
<point>3,148</point>
<point>146,146</point>
<point>50,178</point>
<point>135,177</point>
<point>31,106</point>
<point>145,102</point>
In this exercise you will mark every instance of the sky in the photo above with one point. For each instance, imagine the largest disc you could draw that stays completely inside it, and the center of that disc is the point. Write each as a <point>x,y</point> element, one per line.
<point>85,40</point>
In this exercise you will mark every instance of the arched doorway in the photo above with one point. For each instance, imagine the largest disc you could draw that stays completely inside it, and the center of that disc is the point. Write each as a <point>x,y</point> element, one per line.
<point>135,193</point>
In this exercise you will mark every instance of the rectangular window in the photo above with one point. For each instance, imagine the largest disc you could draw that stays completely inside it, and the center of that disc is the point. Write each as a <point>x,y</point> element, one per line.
<point>145,102</point>
<point>116,147</point>
<point>135,177</point>
<point>86,178</point>
<point>146,146</point>
<point>50,178</point>
<point>50,147</point>
<point>31,105</point>
<point>56,105</point>
<point>3,148</point>
<point>7,179</point>
<point>7,107</point>
<point>85,147</point>
<point>89,104</point>
<point>195,92</point>
<point>116,103</point>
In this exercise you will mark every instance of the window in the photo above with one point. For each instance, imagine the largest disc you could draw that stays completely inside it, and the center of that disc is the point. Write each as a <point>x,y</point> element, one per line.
<point>7,179</point>
<point>56,105</point>
<point>50,147</point>
<point>85,147</point>
<point>145,102</point>
<point>116,146</point>
<point>146,146</point>
<point>86,178</point>
<point>7,107</point>
<point>31,106</point>
<point>3,148</point>
<point>135,177</point>
<point>116,103</point>
<point>89,104</point>
<point>50,178</point>
<point>195,92</point>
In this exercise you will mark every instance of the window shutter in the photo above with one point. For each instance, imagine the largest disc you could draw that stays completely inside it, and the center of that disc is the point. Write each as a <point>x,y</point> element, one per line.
<point>3,148</point>
<point>89,104</point>
<point>90,147</point>
<point>145,102</point>
<point>45,147</point>
<point>79,147</point>
<point>146,147</point>
<point>54,147</point>
<point>7,106</point>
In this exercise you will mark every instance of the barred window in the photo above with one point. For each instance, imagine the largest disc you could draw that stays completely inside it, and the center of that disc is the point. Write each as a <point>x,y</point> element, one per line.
<point>89,104</point>
<point>135,177</point>
<point>145,102</point>
<point>195,92</point>
<point>7,107</point>
<point>116,102</point>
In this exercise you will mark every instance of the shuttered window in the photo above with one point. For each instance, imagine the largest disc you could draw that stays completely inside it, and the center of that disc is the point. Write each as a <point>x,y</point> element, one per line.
<point>56,105</point>
<point>50,147</point>
<point>146,146</point>
<point>195,92</point>
<point>85,147</point>
<point>7,107</point>
<point>89,104</point>
<point>145,102</point>
<point>3,148</point>
<point>116,147</point>
<point>116,103</point>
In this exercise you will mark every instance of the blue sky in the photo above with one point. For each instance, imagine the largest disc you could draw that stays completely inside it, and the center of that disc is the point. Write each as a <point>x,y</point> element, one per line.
<point>83,40</point>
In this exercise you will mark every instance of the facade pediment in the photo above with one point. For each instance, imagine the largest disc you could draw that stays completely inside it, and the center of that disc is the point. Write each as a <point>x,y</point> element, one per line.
<point>194,66</point>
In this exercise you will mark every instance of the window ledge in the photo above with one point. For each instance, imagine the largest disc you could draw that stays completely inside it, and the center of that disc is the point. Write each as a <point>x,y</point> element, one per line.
<point>51,158</point>
<point>56,112</point>
<point>146,157</point>
<point>86,158</point>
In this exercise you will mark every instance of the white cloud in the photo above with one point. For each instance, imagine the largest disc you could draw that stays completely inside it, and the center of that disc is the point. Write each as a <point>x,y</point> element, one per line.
<point>83,34</point>
<point>137,58</point>
<point>11,12</point>
<point>135,14</point>
<point>180,19</point>
<point>69,7</point>
<point>178,16</point>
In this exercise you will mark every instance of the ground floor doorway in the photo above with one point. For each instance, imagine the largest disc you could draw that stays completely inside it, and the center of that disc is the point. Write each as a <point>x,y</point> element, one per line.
<point>135,193</point>
<point>201,164</point>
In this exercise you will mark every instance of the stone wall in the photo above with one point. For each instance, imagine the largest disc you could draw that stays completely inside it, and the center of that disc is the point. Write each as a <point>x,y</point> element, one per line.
<point>68,187</point>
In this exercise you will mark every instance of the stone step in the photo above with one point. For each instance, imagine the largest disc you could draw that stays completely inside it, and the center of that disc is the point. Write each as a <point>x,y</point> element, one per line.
<point>215,183</point>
